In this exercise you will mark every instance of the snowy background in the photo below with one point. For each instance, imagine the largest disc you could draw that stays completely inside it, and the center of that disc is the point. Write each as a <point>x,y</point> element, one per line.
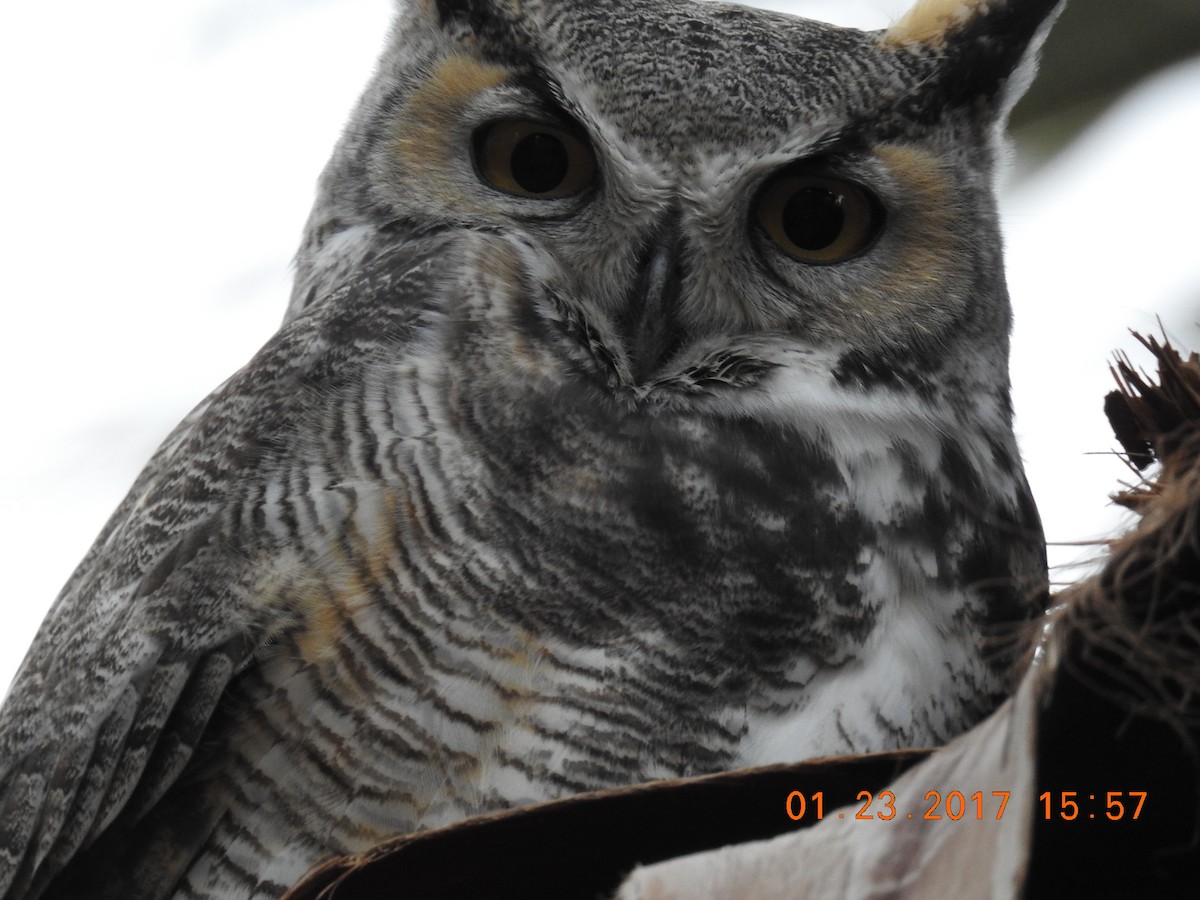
<point>158,163</point>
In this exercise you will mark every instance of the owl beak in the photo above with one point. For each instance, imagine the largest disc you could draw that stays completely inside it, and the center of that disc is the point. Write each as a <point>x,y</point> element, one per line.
<point>651,320</point>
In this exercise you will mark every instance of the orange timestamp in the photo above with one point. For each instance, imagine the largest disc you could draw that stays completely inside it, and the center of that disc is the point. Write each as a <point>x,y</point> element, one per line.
<point>978,805</point>
<point>1071,805</point>
<point>954,805</point>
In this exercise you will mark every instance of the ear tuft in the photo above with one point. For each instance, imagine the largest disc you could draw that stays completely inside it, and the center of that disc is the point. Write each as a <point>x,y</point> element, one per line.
<point>460,12</point>
<point>985,50</point>
<point>493,27</point>
<point>930,21</point>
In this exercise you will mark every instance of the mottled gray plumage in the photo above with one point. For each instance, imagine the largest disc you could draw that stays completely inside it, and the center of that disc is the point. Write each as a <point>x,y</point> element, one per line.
<point>702,459</point>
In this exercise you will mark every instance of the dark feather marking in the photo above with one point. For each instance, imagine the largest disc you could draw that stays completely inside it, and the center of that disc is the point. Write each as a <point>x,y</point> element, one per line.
<point>875,370</point>
<point>183,730</point>
<point>158,697</point>
<point>23,796</point>
<point>180,554</point>
<point>732,370</point>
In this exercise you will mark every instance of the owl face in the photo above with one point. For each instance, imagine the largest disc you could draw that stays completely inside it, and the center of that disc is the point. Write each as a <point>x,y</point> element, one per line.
<point>682,173</point>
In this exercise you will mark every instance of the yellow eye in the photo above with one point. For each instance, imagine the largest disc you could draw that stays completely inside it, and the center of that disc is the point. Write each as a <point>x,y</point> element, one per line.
<point>530,159</point>
<point>819,219</point>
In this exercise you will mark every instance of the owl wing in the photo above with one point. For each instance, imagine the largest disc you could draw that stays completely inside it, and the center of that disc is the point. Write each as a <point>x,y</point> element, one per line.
<point>119,685</point>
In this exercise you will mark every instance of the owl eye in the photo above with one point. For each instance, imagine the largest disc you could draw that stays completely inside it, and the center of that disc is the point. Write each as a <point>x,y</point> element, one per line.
<point>531,159</point>
<point>819,219</point>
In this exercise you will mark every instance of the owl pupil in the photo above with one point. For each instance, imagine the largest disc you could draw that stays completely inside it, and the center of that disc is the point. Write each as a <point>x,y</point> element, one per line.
<point>813,218</point>
<point>539,163</point>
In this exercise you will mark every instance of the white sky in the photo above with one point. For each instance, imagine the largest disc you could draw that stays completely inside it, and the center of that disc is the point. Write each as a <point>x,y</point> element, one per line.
<point>158,164</point>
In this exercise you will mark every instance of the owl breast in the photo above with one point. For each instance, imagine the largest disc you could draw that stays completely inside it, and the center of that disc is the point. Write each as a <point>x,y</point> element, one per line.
<point>524,581</point>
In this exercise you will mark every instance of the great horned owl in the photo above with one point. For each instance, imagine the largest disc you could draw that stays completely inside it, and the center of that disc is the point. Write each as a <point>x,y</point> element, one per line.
<point>641,411</point>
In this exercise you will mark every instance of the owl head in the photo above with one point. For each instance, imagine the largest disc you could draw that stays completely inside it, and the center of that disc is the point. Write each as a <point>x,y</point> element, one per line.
<point>680,174</point>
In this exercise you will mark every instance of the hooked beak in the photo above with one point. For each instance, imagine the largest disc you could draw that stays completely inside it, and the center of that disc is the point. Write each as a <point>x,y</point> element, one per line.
<point>651,320</point>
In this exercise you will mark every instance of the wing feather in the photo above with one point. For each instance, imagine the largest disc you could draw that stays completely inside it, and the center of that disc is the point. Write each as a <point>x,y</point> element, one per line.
<point>120,685</point>
<point>23,795</point>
